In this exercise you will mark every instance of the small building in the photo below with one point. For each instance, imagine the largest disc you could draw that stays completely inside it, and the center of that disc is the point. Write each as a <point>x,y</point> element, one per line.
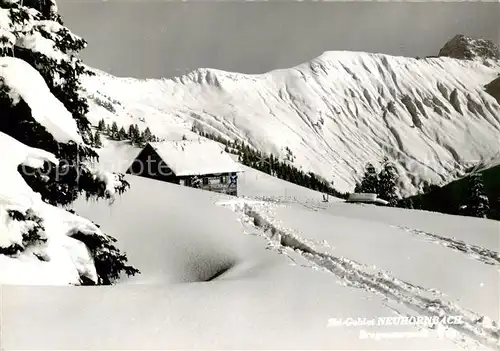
<point>366,198</point>
<point>199,164</point>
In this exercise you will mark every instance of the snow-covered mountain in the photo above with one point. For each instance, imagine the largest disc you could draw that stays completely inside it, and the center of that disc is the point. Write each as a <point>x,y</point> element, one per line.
<point>463,47</point>
<point>343,109</point>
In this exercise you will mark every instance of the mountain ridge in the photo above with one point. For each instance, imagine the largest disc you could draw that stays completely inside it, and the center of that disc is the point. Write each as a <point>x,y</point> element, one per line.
<point>335,112</point>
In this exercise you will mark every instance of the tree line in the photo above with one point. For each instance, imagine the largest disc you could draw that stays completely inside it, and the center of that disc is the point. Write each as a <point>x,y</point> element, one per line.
<point>136,136</point>
<point>272,165</point>
<point>467,196</point>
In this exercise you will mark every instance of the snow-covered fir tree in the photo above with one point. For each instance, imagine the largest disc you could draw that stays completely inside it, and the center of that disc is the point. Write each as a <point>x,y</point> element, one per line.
<point>387,183</point>
<point>132,132</point>
<point>122,134</point>
<point>477,202</point>
<point>357,187</point>
<point>147,134</point>
<point>97,139</point>
<point>114,131</point>
<point>370,182</point>
<point>101,126</point>
<point>42,109</point>
<point>61,70</point>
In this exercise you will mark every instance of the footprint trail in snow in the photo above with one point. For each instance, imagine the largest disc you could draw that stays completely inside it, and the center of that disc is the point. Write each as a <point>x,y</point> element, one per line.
<point>475,330</point>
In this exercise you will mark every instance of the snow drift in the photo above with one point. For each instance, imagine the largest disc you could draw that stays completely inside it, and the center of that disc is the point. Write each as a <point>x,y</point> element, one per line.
<point>238,273</point>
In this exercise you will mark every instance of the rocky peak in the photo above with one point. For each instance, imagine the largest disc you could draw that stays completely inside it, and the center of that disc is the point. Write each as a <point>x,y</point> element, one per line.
<point>467,48</point>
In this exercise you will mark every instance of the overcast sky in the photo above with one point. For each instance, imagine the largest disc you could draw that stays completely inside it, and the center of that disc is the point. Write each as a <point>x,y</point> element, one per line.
<point>152,39</point>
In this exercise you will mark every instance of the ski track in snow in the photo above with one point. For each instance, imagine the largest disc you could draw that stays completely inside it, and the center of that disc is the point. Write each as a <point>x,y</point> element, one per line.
<point>478,253</point>
<point>476,330</point>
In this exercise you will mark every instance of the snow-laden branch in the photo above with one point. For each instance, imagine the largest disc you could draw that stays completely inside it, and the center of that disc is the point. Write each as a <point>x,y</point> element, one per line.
<point>13,188</point>
<point>23,81</point>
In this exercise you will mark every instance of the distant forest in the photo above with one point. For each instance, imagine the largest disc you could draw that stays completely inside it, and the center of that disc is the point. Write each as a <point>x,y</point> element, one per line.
<point>272,165</point>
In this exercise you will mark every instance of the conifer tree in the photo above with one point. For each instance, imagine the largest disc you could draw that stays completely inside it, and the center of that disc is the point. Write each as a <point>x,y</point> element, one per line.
<point>409,203</point>
<point>357,188</point>
<point>137,132</point>
<point>61,69</point>
<point>147,135</point>
<point>370,182</point>
<point>271,162</point>
<point>477,202</point>
<point>387,184</point>
<point>101,126</point>
<point>114,131</point>
<point>135,136</point>
<point>97,139</point>
<point>244,159</point>
<point>68,69</point>
<point>131,132</point>
<point>140,140</point>
<point>90,137</point>
<point>122,134</point>
<point>426,187</point>
<point>267,165</point>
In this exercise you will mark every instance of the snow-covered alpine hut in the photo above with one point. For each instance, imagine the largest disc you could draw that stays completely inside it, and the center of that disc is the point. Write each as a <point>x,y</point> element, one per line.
<point>195,163</point>
<point>366,198</point>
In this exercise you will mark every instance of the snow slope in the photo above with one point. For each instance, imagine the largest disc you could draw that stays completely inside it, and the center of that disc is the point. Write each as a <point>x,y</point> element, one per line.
<point>272,269</point>
<point>335,113</point>
<point>220,272</point>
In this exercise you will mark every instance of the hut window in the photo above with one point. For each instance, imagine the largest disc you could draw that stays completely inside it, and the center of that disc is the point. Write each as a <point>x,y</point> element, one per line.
<point>223,179</point>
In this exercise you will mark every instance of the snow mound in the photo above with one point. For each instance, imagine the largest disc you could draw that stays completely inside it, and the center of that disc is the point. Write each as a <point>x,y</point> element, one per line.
<point>178,235</point>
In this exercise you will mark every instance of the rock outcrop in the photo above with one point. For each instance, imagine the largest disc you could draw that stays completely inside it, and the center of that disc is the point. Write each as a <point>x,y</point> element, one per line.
<point>493,88</point>
<point>467,48</point>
